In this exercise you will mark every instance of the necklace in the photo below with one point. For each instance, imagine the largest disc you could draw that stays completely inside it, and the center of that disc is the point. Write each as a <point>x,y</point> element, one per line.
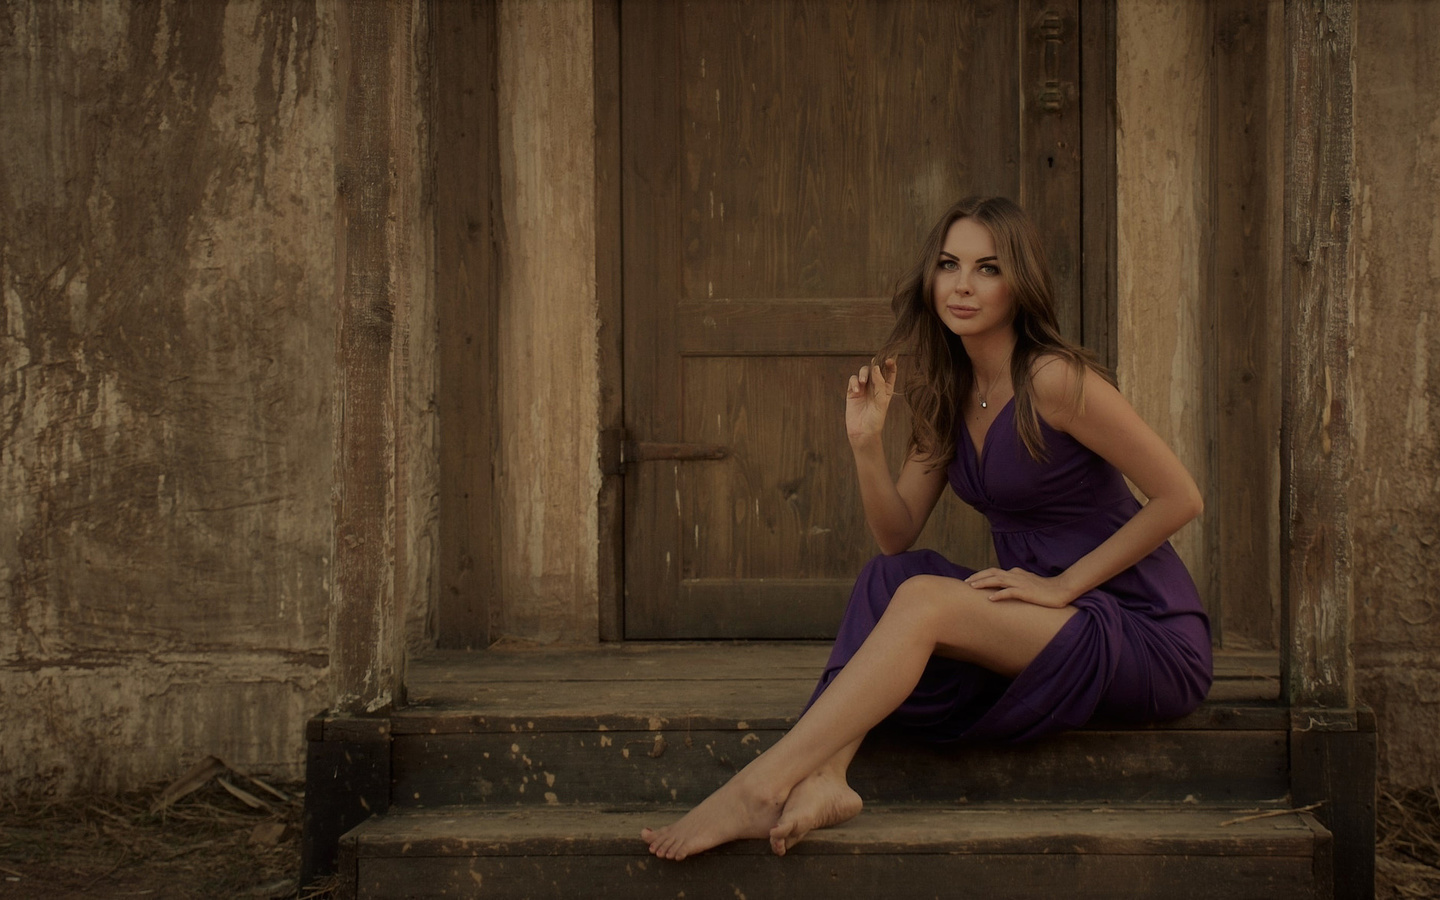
<point>979,392</point>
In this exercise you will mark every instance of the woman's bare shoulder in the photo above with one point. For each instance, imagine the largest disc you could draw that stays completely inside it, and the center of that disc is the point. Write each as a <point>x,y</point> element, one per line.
<point>1061,387</point>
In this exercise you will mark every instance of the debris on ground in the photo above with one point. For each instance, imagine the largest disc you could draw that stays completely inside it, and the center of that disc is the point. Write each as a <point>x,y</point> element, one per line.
<point>1407,843</point>
<point>213,832</point>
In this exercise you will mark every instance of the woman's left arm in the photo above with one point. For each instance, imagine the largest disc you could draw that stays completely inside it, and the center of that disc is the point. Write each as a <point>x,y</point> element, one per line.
<point>1108,425</point>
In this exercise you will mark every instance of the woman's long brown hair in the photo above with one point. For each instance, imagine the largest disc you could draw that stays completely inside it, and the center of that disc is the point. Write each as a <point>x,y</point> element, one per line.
<point>940,370</point>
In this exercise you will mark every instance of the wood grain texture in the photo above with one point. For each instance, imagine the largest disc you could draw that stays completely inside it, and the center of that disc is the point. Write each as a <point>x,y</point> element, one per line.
<point>549,477</point>
<point>1163,57</point>
<point>649,101</point>
<point>1395,496</point>
<point>1243,332</point>
<point>684,762</point>
<point>610,303</point>
<point>467,182</point>
<point>375,203</point>
<point>770,203</point>
<point>1098,289</point>
<point>658,684</point>
<point>1338,768</point>
<point>1050,144</point>
<point>1316,414</point>
<point>1018,853</point>
<point>1003,876</point>
<point>1018,830</point>
<point>167,369</point>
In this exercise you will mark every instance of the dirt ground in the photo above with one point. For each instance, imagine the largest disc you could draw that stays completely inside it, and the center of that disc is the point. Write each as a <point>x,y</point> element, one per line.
<point>240,841</point>
<point>244,842</point>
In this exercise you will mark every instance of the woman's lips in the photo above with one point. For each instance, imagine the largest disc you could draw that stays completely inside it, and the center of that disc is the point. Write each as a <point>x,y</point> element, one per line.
<point>963,312</point>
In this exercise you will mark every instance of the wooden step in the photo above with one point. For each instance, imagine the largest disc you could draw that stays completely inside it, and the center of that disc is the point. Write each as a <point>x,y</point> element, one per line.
<point>993,852</point>
<point>670,723</point>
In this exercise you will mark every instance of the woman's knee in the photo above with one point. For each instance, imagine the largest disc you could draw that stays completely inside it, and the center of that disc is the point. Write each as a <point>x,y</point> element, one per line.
<point>931,595</point>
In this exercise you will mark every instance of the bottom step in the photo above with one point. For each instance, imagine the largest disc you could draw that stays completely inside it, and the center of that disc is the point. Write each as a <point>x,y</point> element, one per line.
<point>992,852</point>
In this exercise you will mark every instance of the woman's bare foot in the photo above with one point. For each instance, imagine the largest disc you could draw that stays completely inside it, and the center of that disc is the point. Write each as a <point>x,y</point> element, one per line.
<point>820,801</point>
<point>738,810</point>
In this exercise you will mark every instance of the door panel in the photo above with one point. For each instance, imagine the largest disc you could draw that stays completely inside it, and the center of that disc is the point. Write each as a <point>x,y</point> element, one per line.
<point>781,162</point>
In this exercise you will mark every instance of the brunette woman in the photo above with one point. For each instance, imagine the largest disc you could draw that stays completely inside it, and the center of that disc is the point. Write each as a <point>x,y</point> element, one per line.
<point>1090,610</point>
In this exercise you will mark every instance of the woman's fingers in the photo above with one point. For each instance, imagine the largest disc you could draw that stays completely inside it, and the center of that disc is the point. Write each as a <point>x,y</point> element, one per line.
<point>985,578</point>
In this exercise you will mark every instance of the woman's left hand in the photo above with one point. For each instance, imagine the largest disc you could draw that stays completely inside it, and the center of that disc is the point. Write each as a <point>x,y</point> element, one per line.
<point>1018,584</point>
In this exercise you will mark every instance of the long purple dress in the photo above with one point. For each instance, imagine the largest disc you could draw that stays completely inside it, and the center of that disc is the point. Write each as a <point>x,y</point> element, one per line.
<point>1139,648</point>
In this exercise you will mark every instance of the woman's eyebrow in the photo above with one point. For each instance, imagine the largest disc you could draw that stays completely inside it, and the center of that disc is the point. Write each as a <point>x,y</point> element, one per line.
<point>988,259</point>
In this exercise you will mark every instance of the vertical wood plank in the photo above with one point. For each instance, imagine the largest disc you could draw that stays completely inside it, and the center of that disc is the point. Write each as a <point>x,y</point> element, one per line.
<point>649,98</point>
<point>1315,435</point>
<point>367,654</point>
<point>1097,127</point>
<point>548,477</point>
<point>1050,171</point>
<point>466,175</point>
<point>608,297</point>
<point>1243,331</point>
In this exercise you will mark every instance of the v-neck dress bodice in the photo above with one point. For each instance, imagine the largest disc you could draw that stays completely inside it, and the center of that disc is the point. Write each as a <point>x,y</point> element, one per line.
<point>1139,647</point>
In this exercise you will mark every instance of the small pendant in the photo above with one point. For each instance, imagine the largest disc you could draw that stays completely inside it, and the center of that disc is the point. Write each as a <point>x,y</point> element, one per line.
<point>984,405</point>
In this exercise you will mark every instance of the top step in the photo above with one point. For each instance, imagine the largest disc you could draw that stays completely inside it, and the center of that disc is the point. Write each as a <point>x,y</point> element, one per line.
<point>669,723</point>
<point>707,684</point>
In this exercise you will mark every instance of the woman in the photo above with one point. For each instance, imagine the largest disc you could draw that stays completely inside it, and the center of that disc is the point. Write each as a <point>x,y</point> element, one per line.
<point>1090,610</point>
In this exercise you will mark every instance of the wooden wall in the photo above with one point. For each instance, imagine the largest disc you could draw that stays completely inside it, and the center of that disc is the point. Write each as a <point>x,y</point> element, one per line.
<point>1199,160</point>
<point>548,380</point>
<point>1395,497</point>
<point>172,242</point>
<point>167,365</point>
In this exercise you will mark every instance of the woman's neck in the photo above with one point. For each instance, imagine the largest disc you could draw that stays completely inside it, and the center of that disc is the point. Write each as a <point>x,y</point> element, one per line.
<point>990,355</point>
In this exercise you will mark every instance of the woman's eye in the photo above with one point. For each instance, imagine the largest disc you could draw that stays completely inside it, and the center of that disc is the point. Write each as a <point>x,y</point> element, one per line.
<point>989,269</point>
<point>948,265</point>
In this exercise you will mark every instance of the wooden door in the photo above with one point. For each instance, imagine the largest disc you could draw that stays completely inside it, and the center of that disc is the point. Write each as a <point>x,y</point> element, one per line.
<point>781,163</point>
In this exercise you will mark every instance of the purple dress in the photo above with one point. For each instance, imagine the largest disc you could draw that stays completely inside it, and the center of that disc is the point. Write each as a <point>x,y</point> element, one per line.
<point>1138,649</point>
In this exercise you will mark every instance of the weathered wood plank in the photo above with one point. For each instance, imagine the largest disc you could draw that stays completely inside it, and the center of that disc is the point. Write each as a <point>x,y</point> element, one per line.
<point>998,876</point>
<point>763,167</point>
<point>1050,144</point>
<point>347,780</point>
<point>1097,133</point>
<point>367,655</point>
<point>684,661</point>
<point>1316,417</point>
<point>1243,329</point>
<point>608,297</point>
<point>649,97</point>
<point>1337,768</point>
<point>885,831</point>
<point>753,706</point>
<point>679,762</point>
<point>760,327</point>
<point>466,173</point>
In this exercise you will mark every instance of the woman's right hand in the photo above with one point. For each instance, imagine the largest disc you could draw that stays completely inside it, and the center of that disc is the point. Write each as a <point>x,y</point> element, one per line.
<point>867,399</point>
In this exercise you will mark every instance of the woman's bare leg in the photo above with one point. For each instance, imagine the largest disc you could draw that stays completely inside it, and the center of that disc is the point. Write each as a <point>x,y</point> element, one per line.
<point>823,799</point>
<point>928,614</point>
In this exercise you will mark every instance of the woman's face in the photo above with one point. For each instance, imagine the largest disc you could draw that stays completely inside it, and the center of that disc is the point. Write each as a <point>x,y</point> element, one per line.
<point>971,296</point>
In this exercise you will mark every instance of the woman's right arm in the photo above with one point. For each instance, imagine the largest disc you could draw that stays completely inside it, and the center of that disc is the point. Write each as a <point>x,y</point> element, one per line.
<point>896,511</point>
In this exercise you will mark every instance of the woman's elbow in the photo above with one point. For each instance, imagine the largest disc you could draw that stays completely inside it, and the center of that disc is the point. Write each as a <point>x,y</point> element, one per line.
<point>893,544</point>
<point>1194,503</point>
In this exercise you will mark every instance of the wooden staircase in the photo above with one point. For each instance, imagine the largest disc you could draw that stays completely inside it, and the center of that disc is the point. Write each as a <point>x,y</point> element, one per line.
<point>529,773</point>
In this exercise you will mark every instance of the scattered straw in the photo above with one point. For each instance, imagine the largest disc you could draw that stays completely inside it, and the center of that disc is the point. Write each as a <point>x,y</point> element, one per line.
<point>191,838</point>
<point>1407,843</point>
